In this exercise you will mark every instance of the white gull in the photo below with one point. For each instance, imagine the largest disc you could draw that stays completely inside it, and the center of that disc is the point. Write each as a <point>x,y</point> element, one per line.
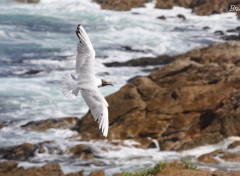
<point>86,82</point>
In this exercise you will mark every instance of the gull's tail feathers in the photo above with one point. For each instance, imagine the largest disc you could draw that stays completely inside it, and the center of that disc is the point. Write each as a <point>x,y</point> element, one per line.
<point>69,86</point>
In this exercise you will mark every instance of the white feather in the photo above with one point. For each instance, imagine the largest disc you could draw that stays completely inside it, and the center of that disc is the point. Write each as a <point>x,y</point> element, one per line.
<point>86,82</point>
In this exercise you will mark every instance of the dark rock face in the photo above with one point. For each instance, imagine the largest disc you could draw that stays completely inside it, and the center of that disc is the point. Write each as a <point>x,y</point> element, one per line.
<point>26,151</point>
<point>181,16</point>
<point>162,17</point>
<point>192,101</point>
<point>82,151</point>
<point>20,152</point>
<point>43,125</point>
<point>121,5</point>
<point>144,61</point>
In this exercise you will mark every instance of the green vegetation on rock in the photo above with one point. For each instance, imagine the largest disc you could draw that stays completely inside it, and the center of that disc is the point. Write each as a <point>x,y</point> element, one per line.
<point>149,171</point>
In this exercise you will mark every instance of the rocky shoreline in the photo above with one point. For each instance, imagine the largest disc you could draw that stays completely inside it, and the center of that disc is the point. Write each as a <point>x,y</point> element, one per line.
<point>192,101</point>
<point>202,8</point>
<point>182,105</point>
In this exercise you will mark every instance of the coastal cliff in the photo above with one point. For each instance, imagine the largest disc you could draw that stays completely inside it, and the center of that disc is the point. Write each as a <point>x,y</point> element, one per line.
<point>190,102</point>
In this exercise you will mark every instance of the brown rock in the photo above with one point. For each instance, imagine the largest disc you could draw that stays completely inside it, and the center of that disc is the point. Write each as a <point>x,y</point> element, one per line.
<point>199,7</point>
<point>227,155</point>
<point>20,152</point>
<point>164,4</point>
<point>7,166</point>
<point>127,103</point>
<point>43,125</point>
<point>121,5</point>
<point>192,101</point>
<point>47,170</point>
<point>231,157</point>
<point>80,173</point>
<point>209,157</point>
<point>97,173</point>
<point>162,17</point>
<point>179,170</point>
<point>142,61</point>
<point>181,16</point>
<point>234,145</point>
<point>83,151</point>
<point>27,150</point>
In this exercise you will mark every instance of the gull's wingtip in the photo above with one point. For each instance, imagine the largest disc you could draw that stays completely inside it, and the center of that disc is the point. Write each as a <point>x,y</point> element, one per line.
<point>79,26</point>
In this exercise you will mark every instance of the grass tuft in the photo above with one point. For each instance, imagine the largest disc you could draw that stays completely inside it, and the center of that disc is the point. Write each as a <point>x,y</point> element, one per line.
<point>188,164</point>
<point>184,163</point>
<point>147,172</point>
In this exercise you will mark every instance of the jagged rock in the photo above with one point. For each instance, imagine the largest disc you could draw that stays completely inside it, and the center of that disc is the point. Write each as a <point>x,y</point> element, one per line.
<point>181,16</point>
<point>218,32</point>
<point>20,152</point>
<point>210,158</point>
<point>43,125</point>
<point>162,17</point>
<point>206,28</point>
<point>25,151</point>
<point>143,61</point>
<point>227,155</point>
<point>129,100</point>
<point>121,5</point>
<point>231,157</point>
<point>234,145</point>
<point>192,101</point>
<point>83,151</point>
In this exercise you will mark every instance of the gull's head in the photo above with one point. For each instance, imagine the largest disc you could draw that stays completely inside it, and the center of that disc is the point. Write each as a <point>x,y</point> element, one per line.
<point>106,83</point>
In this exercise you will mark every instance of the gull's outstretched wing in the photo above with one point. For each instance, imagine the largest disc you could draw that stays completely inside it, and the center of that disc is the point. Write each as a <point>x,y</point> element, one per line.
<point>98,106</point>
<point>85,52</point>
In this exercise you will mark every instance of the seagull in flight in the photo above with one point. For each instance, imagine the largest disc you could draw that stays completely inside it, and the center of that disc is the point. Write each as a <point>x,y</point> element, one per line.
<point>85,82</point>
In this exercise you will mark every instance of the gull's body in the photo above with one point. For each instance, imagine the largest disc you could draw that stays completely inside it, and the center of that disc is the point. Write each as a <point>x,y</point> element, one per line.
<point>86,82</point>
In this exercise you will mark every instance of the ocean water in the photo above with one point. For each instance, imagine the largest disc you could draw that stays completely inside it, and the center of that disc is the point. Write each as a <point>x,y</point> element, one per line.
<point>38,46</point>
